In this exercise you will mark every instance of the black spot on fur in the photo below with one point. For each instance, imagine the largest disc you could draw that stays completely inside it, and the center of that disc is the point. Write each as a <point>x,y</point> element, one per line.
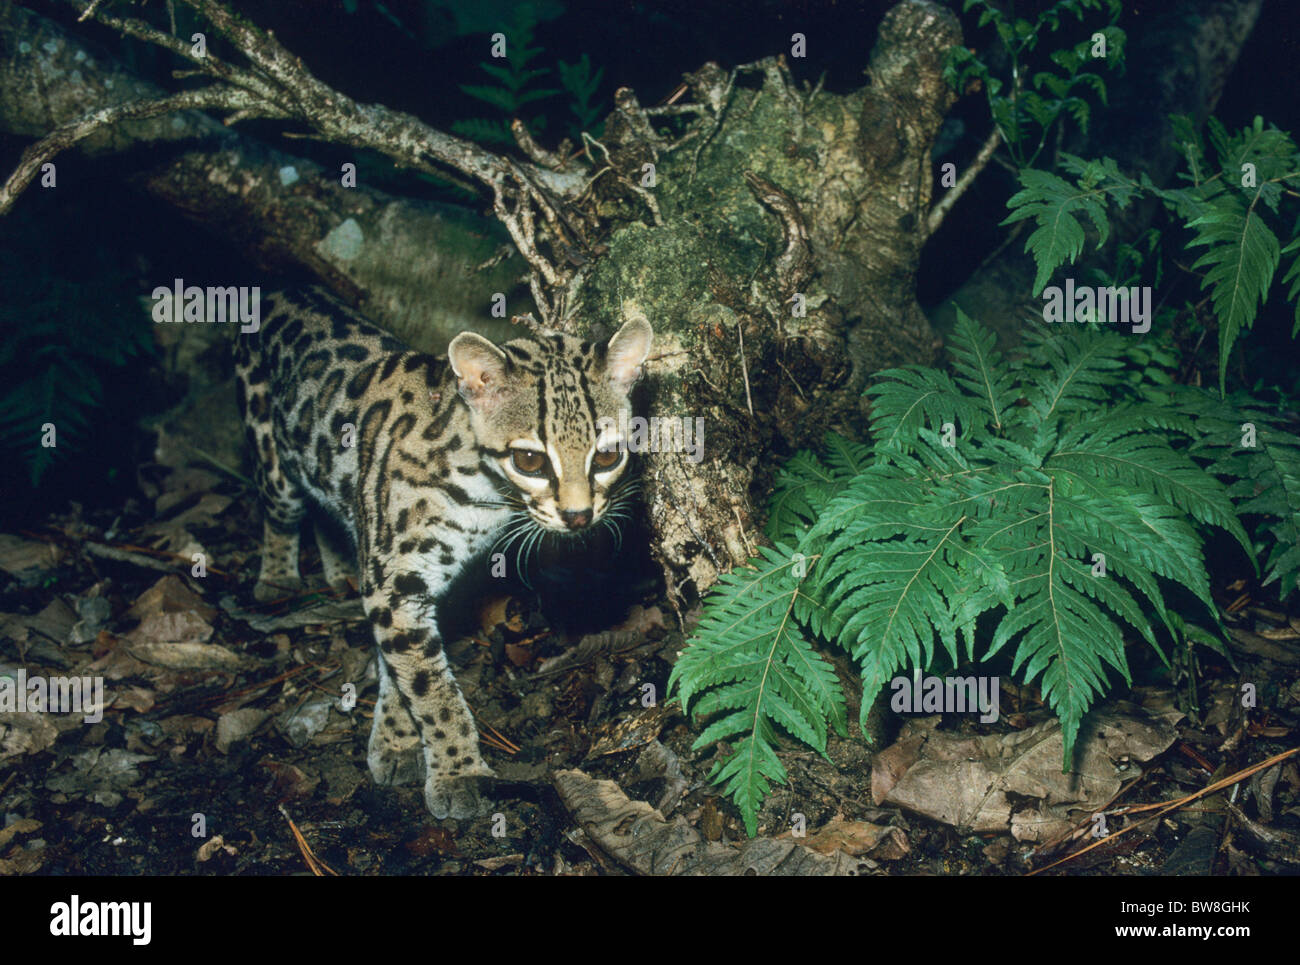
<point>420,683</point>
<point>360,382</point>
<point>410,584</point>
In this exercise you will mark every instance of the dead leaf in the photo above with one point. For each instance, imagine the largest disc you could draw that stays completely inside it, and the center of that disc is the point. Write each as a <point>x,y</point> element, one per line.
<point>879,841</point>
<point>970,782</point>
<point>642,619</point>
<point>182,484</point>
<point>170,595</point>
<point>500,861</point>
<point>25,734</point>
<point>21,826</point>
<point>27,559</point>
<point>54,623</point>
<point>186,656</point>
<point>290,782</point>
<point>237,725</point>
<point>211,846</point>
<point>22,861</point>
<point>99,774</point>
<point>639,838</point>
<point>136,698</point>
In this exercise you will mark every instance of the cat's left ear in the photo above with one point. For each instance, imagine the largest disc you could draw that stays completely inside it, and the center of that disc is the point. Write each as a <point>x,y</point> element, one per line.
<point>480,368</point>
<point>626,352</point>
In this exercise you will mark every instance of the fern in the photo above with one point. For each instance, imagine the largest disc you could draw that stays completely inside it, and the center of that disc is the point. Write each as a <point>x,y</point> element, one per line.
<point>514,88</point>
<point>1053,92</point>
<point>759,671</point>
<point>1242,258</point>
<point>1250,446</point>
<point>1042,497</point>
<point>581,82</point>
<point>1056,205</point>
<point>1236,214</point>
<point>58,342</point>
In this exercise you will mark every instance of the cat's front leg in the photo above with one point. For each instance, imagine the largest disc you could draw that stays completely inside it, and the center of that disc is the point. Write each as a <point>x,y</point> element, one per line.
<point>424,696</point>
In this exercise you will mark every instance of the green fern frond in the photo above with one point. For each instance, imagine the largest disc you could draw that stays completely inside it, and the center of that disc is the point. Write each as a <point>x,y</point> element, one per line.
<point>1057,205</point>
<point>1254,448</point>
<point>756,668</point>
<point>1070,369</point>
<point>904,400</point>
<point>801,485</point>
<point>981,370</point>
<point>1242,257</point>
<point>1292,278</point>
<point>1125,450</point>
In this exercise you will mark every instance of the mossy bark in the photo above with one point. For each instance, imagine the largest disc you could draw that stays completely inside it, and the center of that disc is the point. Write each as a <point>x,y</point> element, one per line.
<point>780,274</point>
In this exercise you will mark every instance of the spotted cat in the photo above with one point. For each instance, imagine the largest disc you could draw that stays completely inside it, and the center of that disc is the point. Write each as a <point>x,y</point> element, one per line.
<point>426,463</point>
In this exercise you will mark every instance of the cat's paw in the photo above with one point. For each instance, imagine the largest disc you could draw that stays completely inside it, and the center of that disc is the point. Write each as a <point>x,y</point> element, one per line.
<point>394,766</point>
<point>457,797</point>
<point>265,592</point>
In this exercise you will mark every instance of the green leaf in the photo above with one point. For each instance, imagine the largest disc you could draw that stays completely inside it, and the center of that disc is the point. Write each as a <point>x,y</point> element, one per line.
<point>1242,257</point>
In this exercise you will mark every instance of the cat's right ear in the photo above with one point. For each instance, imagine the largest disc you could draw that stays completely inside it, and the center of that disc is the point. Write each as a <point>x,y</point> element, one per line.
<point>480,368</point>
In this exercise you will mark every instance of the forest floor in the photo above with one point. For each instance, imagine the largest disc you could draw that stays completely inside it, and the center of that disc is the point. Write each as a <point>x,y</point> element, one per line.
<point>233,737</point>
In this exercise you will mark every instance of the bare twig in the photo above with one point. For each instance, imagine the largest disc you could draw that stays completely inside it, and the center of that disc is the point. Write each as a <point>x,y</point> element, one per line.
<point>70,134</point>
<point>277,85</point>
<point>940,210</point>
<point>744,368</point>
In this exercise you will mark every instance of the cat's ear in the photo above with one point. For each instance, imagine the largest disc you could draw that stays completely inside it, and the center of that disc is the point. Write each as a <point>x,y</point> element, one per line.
<point>626,351</point>
<point>480,366</point>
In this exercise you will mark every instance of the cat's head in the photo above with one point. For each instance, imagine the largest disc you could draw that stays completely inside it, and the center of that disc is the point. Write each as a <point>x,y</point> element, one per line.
<point>548,408</point>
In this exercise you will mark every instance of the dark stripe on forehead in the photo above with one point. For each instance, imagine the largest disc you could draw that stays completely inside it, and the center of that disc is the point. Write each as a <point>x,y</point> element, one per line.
<point>585,389</point>
<point>541,406</point>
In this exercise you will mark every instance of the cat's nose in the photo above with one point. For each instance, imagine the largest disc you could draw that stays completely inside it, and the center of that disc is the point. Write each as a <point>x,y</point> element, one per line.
<point>576,518</point>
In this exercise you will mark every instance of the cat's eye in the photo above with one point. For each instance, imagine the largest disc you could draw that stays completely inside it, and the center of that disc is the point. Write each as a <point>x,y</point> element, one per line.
<point>606,459</point>
<point>530,462</point>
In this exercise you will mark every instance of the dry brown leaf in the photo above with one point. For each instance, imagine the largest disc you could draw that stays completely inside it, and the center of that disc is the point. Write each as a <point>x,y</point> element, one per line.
<point>26,559</point>
<point>856,838</point>
<point>971,782</point>
<point>186,656</point>
<point>25,734</point>
<point>170,595</point>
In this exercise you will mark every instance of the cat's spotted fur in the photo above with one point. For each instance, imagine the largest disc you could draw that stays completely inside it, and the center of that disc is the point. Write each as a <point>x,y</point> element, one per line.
<point>424,461</point>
